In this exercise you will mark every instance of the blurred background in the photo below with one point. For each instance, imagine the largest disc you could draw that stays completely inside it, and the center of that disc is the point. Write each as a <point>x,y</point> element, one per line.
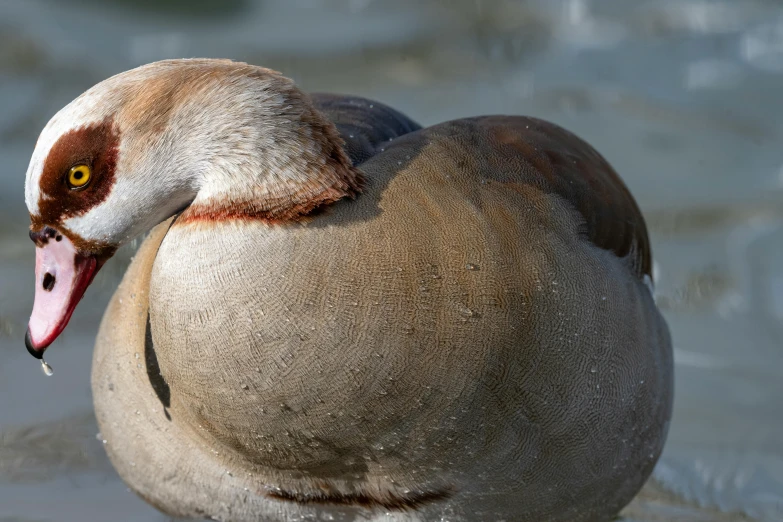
<point>684,97</point>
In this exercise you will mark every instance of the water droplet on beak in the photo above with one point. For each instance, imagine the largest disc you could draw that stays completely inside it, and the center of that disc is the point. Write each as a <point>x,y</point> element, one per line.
<point>46,368</point>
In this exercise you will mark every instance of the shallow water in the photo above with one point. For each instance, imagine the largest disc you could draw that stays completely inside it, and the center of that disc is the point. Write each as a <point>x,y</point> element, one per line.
<point>683,97</point>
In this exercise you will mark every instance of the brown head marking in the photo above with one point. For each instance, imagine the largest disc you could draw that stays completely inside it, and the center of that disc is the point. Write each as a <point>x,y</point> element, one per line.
<point>95,145</point>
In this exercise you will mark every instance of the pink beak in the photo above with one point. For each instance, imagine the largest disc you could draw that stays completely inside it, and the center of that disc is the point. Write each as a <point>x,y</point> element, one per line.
<point>62,275</point>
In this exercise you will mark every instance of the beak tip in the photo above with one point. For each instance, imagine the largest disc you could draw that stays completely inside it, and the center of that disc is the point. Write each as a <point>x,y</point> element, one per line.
<point>28,342</point>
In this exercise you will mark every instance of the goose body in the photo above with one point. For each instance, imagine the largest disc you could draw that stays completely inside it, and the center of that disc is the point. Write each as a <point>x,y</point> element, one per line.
<point>403,324</point>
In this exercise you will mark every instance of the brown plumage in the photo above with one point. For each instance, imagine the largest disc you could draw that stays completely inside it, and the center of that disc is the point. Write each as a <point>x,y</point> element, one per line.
<point>467,334</point>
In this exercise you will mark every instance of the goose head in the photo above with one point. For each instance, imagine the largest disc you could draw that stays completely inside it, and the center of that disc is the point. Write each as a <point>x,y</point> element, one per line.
<point>213,138</point>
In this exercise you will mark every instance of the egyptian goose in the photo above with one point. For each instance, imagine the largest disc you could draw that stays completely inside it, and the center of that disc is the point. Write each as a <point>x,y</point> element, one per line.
<point>340,315</point>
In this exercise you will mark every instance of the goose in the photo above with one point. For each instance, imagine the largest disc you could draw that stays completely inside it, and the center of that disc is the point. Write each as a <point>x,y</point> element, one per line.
<point>337,314</point>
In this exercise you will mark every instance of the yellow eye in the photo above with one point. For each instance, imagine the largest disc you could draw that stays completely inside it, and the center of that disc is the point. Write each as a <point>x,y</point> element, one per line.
<point>79,176</point>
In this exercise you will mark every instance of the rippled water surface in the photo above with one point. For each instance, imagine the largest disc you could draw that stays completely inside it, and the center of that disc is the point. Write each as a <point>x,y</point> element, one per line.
<point>685,98</point>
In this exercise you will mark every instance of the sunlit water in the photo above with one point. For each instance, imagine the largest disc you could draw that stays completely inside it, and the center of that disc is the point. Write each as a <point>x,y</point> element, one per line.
<point>685,98</point>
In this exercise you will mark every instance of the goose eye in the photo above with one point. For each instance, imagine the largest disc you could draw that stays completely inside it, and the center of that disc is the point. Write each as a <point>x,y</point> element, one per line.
<point>79,176</point>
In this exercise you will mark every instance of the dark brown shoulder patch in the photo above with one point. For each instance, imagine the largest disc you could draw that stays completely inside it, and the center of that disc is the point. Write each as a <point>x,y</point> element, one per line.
<point>517,150</point>
<point>95,145</point>
<point>409,501</point>
<point>364,125</point>
<point>569,167</point>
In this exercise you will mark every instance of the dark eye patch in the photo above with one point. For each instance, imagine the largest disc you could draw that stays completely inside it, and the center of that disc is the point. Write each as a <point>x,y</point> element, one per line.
<point>95,145</point>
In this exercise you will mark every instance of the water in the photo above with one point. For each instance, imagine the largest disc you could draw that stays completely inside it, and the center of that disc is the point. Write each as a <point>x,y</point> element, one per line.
<point>683,97</point>
<point>46,368</point>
